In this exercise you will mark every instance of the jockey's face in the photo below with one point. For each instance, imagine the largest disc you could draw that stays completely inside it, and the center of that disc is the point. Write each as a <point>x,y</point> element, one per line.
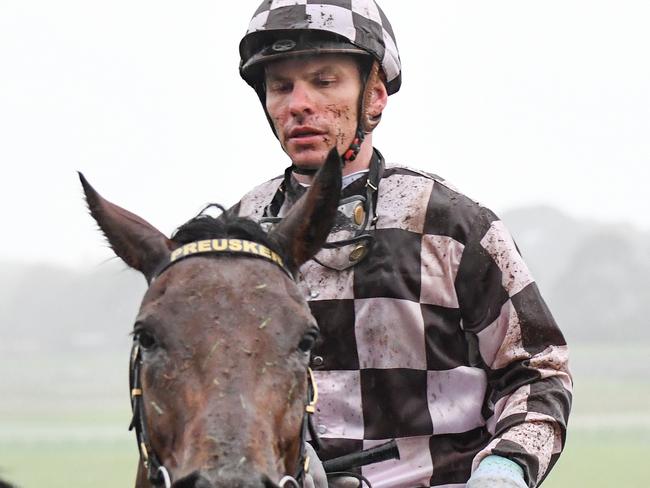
<point>313,103</point>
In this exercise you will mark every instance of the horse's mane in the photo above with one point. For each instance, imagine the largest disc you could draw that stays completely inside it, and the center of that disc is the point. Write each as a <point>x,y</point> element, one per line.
<point>227,225</point>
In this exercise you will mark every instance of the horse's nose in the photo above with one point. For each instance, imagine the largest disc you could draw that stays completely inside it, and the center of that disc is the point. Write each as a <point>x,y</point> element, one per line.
<point>196,480</point>
<point>268,483</point>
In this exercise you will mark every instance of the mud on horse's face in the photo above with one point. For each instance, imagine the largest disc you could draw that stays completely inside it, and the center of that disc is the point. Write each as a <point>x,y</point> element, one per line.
<point>223,344</point>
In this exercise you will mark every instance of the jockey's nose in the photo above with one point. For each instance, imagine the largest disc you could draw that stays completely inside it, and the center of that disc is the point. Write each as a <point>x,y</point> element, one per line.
<point>300,99</point>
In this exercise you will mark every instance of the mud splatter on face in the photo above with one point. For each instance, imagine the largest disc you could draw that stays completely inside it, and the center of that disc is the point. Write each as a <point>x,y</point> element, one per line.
<point>340,137</point>
<point>339,112</point>
<point>333,109</point>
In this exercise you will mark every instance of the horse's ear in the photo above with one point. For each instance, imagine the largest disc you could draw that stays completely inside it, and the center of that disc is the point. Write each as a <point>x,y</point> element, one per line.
<point>136,241</point>
<point>303,231</point>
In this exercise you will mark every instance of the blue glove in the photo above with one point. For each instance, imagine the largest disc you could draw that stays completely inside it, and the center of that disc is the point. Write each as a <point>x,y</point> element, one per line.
<point>497,472</point>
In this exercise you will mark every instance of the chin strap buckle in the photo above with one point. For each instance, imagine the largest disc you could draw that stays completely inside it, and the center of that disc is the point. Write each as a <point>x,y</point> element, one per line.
<point>352,153</point>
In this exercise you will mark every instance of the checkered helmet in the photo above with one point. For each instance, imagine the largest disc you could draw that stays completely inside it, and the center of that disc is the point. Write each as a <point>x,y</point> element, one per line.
<point>282,28</point>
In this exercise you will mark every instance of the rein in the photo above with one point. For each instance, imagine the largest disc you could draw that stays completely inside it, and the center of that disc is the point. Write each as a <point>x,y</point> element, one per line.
<point>157,473</point>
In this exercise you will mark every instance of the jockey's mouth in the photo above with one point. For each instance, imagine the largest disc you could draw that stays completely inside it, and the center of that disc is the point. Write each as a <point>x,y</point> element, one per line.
<point>305,134</point>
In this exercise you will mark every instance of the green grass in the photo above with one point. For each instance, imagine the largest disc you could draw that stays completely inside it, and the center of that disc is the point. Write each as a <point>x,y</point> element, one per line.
<point>607,459</point>
<point>70,464</point>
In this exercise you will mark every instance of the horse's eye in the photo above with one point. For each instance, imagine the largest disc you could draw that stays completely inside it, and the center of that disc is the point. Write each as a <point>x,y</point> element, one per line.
<point>308,341</point>
<point>145,339</point>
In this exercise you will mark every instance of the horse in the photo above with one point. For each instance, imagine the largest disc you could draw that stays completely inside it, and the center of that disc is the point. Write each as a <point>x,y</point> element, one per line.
<point>220,386</point>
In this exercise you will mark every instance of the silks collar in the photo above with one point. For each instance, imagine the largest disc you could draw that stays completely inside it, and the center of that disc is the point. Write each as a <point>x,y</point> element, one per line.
<point>233,247</point>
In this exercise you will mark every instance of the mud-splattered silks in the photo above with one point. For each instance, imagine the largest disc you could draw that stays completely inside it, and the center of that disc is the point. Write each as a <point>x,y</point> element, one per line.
<point>439,338</point>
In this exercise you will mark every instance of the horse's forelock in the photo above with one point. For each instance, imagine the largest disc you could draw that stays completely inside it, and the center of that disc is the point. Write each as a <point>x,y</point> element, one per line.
<point>225,226</point>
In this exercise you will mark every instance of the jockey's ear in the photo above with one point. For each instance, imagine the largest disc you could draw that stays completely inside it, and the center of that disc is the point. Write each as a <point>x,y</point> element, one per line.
<point>138,243</point>
<point>305,228</point>
<point>375,99</point>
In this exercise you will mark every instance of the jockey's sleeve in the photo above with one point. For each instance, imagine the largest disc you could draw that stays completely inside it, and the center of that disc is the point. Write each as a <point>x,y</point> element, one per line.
<point>514,338</point>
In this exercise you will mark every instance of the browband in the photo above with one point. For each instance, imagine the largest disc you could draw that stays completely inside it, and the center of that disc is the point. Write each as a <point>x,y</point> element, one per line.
<point>233,247</point>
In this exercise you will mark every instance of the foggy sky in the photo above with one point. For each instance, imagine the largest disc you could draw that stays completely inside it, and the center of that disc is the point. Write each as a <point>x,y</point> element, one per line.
<point>516,102</point>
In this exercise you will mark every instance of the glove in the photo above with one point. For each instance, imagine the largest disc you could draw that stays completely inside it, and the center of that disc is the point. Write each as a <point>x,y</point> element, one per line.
<point>497,472</point>
<point>344,482</point>
<point>316,477</point>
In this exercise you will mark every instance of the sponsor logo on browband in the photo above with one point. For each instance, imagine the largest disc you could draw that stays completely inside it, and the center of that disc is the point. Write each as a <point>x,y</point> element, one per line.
<point>226,246</point>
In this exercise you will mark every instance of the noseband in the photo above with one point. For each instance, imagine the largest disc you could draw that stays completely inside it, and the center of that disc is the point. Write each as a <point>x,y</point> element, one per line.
<point>157,473</point>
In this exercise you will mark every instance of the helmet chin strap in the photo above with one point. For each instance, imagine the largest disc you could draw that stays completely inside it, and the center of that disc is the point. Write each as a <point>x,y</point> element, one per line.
<point>353,151</point>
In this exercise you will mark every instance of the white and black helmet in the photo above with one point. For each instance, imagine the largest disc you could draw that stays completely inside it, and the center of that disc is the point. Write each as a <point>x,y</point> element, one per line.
<point>282,28</point>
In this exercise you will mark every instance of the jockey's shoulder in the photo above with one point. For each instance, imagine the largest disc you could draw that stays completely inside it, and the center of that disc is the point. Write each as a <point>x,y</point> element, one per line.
<point>443,186</point>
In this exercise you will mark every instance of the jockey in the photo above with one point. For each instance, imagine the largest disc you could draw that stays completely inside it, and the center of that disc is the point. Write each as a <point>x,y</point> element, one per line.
<point>433,331</point>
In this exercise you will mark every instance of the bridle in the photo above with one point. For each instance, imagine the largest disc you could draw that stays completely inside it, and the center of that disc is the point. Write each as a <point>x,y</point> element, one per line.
<point>157,473</point>
<point>297,481</point>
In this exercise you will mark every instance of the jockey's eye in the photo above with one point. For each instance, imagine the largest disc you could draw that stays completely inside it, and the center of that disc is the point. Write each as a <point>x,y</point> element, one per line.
<point>145,338</point>
<point>325,81</point>
<point>308,340</point>
<point>279,86</point>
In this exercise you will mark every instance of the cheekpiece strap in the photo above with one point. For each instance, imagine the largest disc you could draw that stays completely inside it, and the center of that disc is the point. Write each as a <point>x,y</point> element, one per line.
<point>232,247</point>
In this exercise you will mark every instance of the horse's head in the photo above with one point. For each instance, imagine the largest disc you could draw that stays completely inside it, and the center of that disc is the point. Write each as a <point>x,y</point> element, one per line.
<point>222,339</point>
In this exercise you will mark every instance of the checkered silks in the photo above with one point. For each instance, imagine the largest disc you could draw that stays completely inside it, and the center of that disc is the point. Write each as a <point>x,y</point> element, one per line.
<point>439,338</point>
<point>362,22</point>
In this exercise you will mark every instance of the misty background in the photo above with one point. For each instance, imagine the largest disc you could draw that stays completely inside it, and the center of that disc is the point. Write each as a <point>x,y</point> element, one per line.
<point>593,276</point>
<point>539,110</point>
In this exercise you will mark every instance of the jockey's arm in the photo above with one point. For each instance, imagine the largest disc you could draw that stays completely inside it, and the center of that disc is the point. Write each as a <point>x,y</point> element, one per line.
<point>514,338</point>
